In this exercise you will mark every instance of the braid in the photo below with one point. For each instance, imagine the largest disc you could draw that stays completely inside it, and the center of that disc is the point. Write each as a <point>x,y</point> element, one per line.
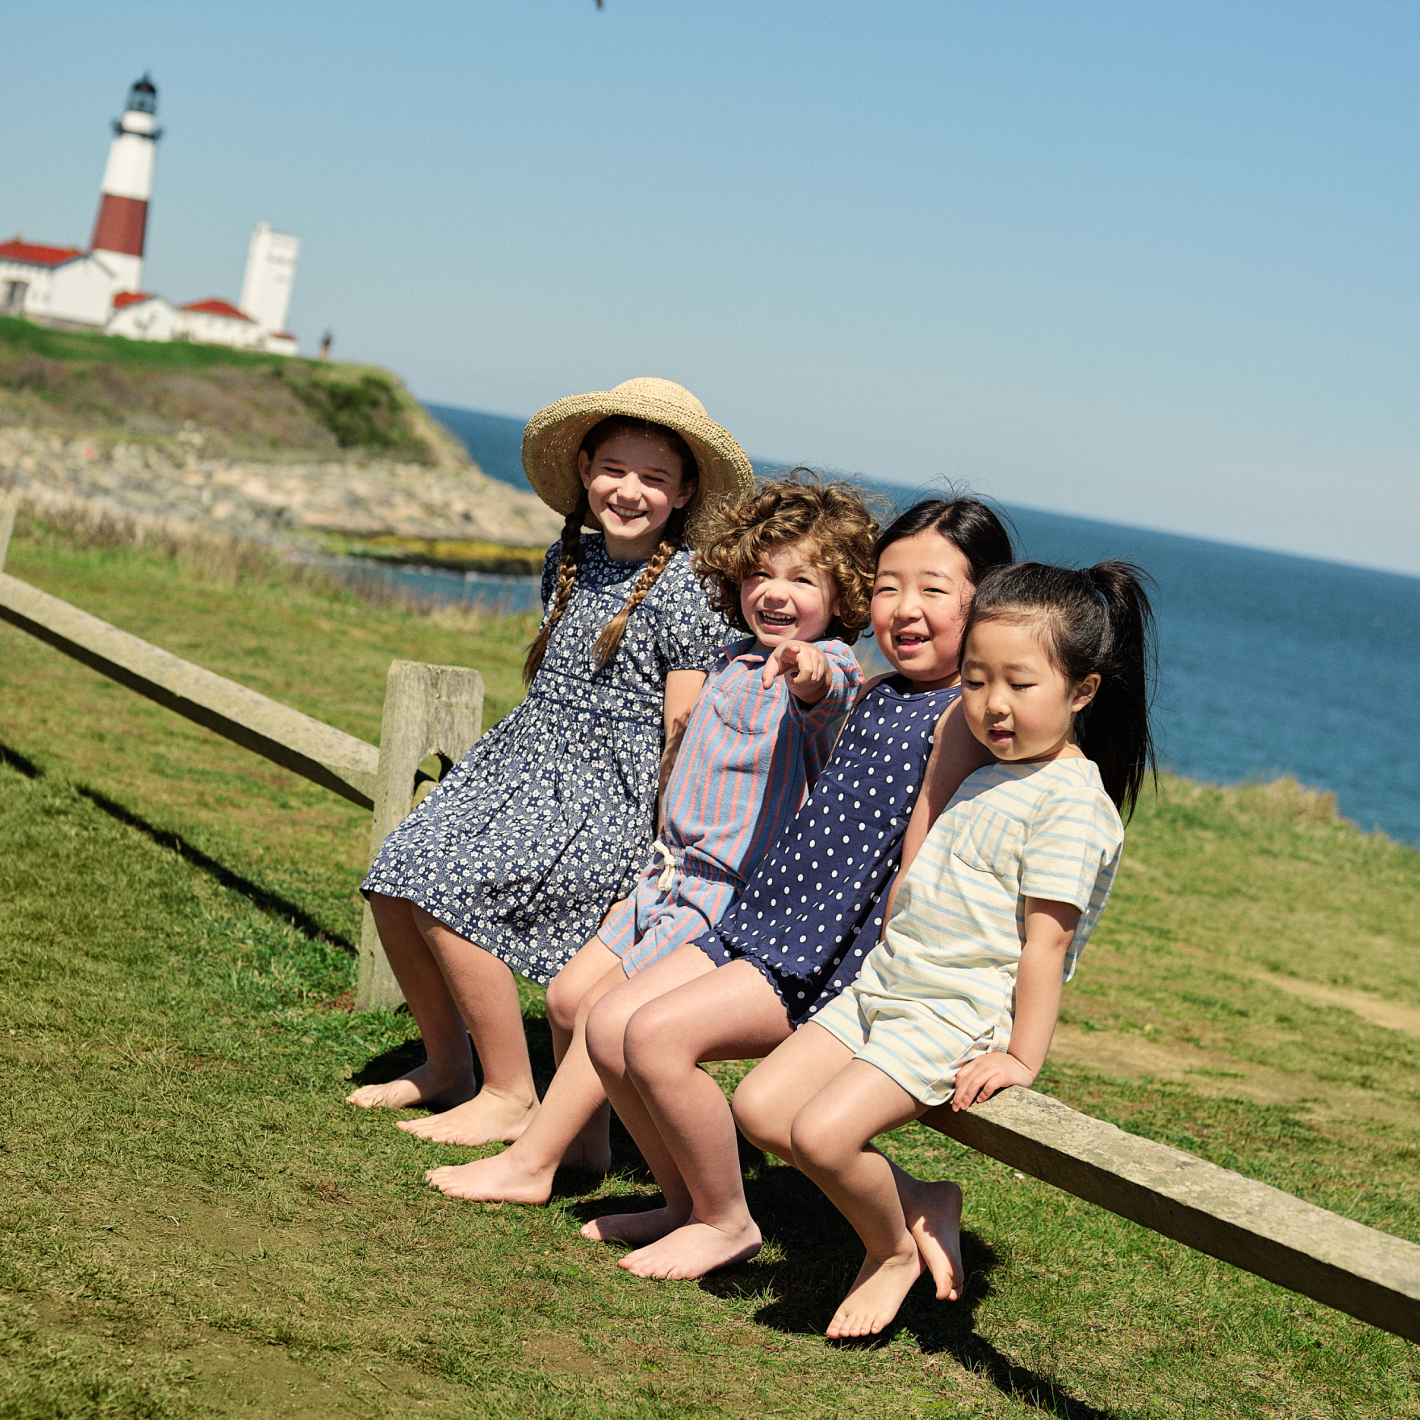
<point>610,640</point>
<point>566,581</point>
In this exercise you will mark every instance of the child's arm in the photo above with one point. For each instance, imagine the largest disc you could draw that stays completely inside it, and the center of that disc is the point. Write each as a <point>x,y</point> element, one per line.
<point>682,691</point>
<point>956,752</point>
<point>806,670</point>
<point>1050,928</point>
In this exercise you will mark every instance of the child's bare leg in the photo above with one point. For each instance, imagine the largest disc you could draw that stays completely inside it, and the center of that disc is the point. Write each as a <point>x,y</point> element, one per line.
<point>606,1030</point>
<point>831,1144</point>
<point>774,1092</point>
<point>486,994</point>
<point>731,1013</point>
<point>770,1097</point>
<point>524,1172</point>
<point>932,1212</point>
<point>446,1077</point>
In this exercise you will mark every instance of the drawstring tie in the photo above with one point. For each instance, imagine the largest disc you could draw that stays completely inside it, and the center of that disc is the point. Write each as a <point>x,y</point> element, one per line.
<point>667,877</point>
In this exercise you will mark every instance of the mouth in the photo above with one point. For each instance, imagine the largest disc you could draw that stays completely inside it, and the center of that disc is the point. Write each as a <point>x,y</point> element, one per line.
<point>999,736</point>
<point>777,620</point>
<point>908,641</point>
<point>626,515</point>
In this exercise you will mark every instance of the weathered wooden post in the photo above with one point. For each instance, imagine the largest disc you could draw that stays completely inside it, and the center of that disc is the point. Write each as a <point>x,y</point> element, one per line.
<point>7,525</point>
<point>429,710</point>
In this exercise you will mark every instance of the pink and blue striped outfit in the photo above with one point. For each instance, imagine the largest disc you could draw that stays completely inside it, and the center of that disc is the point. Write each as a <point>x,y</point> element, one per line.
<point>749,756</point>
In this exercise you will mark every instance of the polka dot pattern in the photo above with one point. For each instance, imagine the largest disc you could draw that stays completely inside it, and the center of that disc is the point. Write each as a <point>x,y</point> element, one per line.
<point>810,913</point>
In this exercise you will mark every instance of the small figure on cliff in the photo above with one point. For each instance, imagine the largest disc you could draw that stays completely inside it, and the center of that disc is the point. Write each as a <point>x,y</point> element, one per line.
<point>325,343</point>
<point>514,861</point>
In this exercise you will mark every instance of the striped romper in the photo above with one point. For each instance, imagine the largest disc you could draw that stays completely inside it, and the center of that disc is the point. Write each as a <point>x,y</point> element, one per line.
<point>939,989</point>
<point>747,760</point>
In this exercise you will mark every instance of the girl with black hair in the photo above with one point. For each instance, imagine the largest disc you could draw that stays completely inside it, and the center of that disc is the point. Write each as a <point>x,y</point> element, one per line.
<point>960,998</point>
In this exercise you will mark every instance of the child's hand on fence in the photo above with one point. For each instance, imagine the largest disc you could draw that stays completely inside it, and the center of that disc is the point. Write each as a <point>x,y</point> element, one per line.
<point>979,1079</point>
<point>804,667</point>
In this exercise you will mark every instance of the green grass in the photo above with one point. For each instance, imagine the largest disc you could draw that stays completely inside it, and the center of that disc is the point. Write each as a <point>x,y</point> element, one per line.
<point>244,403</point>
<point>192,1224</point>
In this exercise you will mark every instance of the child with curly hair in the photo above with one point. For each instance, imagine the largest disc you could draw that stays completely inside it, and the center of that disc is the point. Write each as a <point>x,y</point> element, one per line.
<point>791,566</point>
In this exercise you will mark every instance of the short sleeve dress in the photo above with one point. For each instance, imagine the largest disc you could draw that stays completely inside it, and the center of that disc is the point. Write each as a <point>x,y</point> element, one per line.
<point>546,821</point>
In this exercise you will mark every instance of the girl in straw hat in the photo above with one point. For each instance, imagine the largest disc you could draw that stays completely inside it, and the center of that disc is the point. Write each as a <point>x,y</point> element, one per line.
<point>512,862</point>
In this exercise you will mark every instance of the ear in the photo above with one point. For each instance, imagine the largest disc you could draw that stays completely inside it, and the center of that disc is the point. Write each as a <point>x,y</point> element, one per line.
<point>584,469</point>
<point>1085,692</point>
<point>688,489</point>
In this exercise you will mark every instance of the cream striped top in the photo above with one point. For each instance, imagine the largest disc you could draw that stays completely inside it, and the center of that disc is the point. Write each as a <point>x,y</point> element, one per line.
<point>1012,831</point>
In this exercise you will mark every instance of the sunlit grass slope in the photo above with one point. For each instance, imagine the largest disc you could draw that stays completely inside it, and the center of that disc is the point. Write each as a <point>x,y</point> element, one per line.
<point>192,1224</point>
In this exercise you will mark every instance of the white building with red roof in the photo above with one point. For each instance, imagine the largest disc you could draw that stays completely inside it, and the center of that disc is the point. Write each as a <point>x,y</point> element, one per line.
<point>58,285</point>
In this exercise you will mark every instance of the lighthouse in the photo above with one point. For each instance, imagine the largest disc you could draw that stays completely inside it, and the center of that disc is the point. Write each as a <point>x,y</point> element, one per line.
<point>127,186</point>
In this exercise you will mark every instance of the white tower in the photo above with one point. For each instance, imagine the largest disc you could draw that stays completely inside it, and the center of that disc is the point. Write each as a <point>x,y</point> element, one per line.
<point>127,186</point>
<point>271,270</point>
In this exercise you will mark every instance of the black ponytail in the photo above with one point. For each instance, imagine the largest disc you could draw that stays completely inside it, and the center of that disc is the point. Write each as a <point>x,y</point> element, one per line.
<point>1094,621</point>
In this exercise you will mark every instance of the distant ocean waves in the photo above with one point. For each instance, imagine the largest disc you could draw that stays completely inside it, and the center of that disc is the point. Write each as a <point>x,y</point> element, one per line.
<point>1269,664</point>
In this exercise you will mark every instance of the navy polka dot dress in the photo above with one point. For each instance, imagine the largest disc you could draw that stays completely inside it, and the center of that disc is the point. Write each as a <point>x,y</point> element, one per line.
<point>810,914</point>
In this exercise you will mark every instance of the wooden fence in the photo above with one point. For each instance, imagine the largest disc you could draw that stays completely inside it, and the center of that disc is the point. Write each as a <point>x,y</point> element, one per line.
<point>437,710</point>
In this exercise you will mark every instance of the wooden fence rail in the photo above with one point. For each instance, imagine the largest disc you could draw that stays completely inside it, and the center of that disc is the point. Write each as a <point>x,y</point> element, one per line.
<point>436,711</point>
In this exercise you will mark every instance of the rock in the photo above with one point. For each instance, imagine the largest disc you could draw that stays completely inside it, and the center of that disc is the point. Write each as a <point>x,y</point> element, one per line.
<point>357,498</point>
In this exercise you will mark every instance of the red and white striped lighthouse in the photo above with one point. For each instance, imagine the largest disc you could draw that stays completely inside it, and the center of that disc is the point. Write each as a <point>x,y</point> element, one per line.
<point>127,186</point>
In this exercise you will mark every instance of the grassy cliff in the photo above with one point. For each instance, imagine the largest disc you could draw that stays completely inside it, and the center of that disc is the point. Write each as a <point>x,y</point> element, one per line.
<point>194,1225</point>
<point>245,405</point>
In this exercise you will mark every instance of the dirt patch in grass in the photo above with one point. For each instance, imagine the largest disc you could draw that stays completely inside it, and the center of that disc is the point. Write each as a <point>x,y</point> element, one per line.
<point>1392,1015</point>
<point>1219,1075</point>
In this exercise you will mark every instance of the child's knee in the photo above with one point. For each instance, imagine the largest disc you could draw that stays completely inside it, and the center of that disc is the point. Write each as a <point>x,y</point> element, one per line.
<point>562,1002</point>
<point>650,1040</point>
<point>751,1106</point>
<point>606,1031</point>
<point>814,1144</point>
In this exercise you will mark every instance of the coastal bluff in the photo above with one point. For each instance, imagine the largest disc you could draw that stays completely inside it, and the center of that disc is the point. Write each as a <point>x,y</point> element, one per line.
<point>257,446</point>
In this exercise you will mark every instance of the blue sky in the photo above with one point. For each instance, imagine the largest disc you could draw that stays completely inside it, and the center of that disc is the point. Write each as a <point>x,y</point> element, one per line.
<point>1155,264</point>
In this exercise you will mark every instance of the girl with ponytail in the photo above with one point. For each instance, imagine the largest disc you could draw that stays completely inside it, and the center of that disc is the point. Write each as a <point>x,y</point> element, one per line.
<point>960,997</point>
<point>511,864</point>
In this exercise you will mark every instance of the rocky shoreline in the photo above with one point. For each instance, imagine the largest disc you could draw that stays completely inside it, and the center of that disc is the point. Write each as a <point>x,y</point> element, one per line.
<point>275,501</point>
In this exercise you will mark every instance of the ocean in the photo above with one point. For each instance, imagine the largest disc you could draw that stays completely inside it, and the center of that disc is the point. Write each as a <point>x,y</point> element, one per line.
<point>1268,664</point>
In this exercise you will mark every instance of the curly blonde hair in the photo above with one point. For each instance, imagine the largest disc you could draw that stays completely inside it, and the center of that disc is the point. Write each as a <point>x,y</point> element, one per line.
<point>831,518</point>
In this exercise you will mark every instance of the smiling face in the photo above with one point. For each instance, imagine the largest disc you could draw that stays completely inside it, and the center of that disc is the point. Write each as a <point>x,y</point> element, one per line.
<point>634,482</point>
<point>921,594</point>
<point>788,597</point>
<point>1017,704</point>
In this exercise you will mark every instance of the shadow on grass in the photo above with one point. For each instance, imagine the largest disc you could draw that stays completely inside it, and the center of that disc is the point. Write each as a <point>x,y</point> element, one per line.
<point>821,1255</point>
<point>254,893</point>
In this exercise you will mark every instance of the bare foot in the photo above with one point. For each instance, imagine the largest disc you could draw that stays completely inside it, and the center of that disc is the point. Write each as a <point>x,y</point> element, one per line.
<point>419,1086</point>
<point>638,1229</point>
<point>485,1119</point>
<point>933,1214</point>
<point>511,1177</point>
<point>502,1179</point>
<point>693,1250</point>
<point>876,1294</point>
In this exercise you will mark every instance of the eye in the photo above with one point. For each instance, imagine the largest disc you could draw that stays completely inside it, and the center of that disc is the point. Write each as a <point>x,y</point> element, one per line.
<point>1022,684</point>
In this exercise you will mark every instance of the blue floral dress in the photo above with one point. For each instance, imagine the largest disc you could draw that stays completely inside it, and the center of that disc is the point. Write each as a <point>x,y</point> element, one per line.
<point>811,913</point>
<point>546,821</point>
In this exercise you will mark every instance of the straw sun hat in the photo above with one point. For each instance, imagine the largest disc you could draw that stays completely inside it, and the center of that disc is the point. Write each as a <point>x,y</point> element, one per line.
<point>554,435</point>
